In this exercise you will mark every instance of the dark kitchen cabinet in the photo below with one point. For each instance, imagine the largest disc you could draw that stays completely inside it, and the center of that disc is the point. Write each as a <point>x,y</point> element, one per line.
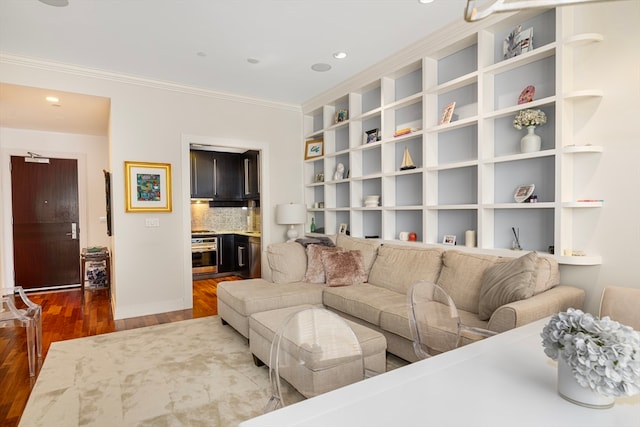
<point>251,175</point>
<point>226,255</point>
<point>241,244</point>
<point>227,185</point>
<point>201,174</point>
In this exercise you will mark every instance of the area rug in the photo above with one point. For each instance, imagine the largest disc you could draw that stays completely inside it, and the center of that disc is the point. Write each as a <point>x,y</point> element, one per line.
<point>189,373</point>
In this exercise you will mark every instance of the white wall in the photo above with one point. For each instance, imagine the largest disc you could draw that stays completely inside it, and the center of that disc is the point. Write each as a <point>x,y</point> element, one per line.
<point>148,123</point>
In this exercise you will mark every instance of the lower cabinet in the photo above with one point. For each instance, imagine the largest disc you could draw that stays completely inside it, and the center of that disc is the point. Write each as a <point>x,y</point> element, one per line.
<point>243,261</point>
<point>226,253</point>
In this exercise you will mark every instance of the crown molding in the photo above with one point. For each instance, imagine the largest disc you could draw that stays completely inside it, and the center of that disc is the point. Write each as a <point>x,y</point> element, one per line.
<point>76,70</point>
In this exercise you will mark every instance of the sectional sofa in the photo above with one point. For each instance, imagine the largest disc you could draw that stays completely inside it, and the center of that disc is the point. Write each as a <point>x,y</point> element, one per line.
<point>367,281</point>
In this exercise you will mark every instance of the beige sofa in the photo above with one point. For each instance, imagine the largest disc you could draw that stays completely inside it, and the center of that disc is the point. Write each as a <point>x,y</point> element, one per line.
<point>497,293</point>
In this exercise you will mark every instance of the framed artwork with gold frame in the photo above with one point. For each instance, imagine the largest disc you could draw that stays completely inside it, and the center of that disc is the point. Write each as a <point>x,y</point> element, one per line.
<point>313,148</point>
<point>147,187</point>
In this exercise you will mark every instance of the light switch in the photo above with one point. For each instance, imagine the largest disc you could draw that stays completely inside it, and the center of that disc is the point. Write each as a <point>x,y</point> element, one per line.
<point>152,222</point>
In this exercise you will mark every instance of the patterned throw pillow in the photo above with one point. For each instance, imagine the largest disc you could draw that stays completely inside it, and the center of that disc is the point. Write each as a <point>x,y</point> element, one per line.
<point>344,268</point>
<point>315,268</point>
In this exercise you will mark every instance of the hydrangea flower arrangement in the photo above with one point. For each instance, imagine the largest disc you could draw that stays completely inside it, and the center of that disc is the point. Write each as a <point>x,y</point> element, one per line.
<point>603,354</point>
<point>526,118</point>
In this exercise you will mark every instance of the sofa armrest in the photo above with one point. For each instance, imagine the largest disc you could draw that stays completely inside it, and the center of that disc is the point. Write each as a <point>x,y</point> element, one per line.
<point>537,307</point>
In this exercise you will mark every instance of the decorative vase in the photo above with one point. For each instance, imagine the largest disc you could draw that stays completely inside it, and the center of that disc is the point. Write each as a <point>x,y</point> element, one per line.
<point>530,142</point>
<point>571,390</point>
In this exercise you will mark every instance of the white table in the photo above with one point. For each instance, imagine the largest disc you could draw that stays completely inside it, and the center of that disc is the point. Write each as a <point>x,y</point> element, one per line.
<point>505,380</point>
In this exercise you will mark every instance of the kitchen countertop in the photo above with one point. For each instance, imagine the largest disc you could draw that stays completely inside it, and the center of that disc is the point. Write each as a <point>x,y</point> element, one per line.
<point>241,233</point>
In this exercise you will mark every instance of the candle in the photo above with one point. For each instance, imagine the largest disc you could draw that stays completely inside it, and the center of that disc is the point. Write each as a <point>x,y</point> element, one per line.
<point>470,238</point>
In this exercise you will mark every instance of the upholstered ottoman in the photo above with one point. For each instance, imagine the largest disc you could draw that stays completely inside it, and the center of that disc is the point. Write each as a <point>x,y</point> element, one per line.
<point>313,380</point>
<point>239,299</point>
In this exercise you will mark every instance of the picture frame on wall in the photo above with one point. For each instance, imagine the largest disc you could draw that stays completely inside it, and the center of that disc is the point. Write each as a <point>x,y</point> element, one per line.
<point>313,148</point>
<point>147,187</point>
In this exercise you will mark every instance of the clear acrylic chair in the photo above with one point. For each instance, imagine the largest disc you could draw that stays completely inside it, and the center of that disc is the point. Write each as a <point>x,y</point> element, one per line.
<point>28,315</point>
<point>435,323</point>
<point>315,351</point>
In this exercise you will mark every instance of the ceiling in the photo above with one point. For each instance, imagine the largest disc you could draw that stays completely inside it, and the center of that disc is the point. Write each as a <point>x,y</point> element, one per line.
<point>213,44</point>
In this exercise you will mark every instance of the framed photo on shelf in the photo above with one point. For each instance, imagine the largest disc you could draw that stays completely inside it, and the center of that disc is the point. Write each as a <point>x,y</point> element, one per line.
<point>342,229</point>
<point>148,187</point>
<point>449,239</point>
<point>313,148</point>
<point>371,136</point>
<point>341,116</point>
<point>523,192</point>
<point>517,42</point>
<point>447,113</point>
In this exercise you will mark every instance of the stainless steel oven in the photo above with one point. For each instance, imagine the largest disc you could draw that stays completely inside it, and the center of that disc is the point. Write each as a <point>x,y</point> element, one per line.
<point>204,253</point>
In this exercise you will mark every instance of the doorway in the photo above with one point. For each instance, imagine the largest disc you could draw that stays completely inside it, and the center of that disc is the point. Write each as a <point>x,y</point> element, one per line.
<point>45,211</point>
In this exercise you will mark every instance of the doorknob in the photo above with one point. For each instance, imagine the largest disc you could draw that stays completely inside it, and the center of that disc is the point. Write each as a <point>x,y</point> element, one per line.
<point>74,231</point>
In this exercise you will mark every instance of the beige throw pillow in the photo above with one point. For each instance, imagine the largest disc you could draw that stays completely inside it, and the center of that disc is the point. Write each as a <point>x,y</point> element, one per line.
<point>315,268</point>
<point>343,268</point>
<point>507,282</point>
<point>288,262</point>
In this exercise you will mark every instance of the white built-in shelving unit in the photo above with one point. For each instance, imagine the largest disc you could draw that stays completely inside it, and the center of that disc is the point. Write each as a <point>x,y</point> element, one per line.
<point>467,170</point>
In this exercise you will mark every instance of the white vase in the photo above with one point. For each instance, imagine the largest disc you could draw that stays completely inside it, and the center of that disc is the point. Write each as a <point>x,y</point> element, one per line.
<point>571,390</point>
<point>530,142</point>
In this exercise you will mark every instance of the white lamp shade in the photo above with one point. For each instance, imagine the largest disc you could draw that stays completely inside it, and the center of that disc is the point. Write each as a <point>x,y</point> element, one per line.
<point>291,214</point>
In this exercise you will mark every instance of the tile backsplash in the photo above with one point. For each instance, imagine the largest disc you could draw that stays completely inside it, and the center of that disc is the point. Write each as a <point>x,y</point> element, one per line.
<point>224,219</point>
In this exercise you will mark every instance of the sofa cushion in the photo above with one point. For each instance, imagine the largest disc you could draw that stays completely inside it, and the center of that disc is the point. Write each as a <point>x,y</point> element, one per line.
<point>461,277</point>
<point>507,282</point>
<point>363,301</point>
<point>397,267</point>
<point>368,247</point>
<point>255,295</point>
<point>547,274</point>
<point>315,267</point>
<point>343,268</point>
<point>288,262</point>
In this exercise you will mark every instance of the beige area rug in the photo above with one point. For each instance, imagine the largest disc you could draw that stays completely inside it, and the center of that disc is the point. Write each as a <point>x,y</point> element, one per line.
<point>189,373</point>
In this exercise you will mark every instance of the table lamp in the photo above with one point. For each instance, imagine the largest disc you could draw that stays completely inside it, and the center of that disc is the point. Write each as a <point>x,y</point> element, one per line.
<point>291,214</point>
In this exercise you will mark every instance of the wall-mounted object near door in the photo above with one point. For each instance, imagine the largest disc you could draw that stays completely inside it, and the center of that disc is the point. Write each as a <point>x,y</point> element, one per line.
<point>107,191</point>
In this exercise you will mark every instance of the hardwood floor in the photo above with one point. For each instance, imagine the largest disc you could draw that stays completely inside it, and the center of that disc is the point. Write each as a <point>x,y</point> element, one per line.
<point>64,318</point>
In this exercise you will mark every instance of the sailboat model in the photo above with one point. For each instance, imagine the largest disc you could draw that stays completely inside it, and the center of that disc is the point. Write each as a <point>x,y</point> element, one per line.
<point>407,163</point>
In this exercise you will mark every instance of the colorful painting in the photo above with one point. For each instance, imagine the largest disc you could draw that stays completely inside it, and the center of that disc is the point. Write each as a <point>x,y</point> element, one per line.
<point>148,187</point>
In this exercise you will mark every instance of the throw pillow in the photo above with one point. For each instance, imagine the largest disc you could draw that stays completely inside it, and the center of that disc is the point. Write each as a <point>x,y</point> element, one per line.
<point>287,261</point>
<point>315,268</point>
<point>343,268</point>
<point>368,247</point>
<point>507,282</point>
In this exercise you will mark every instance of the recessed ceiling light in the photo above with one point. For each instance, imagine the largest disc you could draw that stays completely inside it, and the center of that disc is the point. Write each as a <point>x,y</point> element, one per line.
<point>340,55</point>
<point>425,1</point>
<point>253,60</point>
<point>52,99</point>
<point>321,67</point>
<point>56,3</point>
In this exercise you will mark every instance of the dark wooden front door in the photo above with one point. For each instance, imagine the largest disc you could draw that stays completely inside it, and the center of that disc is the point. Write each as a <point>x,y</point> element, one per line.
<point>46,249</point>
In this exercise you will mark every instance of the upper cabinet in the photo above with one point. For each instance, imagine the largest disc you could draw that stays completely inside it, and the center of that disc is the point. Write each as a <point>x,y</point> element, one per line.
<point>201,174</point>
<point>435,140</point>
<point>225,178</point>
<point>251,175</point>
